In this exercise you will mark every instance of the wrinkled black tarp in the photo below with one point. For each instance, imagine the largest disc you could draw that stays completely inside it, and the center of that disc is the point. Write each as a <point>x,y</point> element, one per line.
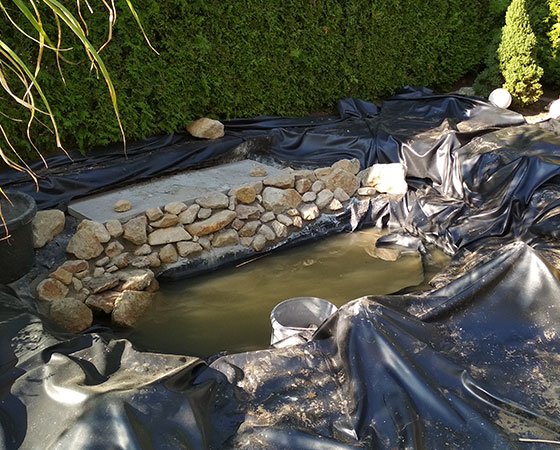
<point>474,364</point>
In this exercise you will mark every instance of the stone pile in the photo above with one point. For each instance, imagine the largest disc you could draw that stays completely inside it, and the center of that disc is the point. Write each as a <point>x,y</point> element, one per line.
<point>114,266</point>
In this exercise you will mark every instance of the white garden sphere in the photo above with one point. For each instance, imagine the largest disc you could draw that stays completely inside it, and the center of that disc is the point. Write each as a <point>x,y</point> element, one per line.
<point>554,109</point>
<point>500,97</point>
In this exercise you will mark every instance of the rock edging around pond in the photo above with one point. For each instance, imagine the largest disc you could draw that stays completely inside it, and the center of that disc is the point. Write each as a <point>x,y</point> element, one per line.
<point>112,267</point>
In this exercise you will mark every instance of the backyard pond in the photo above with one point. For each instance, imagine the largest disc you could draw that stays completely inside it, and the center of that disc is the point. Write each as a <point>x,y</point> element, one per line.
<point>229,310</point>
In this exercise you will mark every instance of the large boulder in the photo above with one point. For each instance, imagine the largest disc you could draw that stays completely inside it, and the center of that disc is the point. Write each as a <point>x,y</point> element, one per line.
<point>46,225</point>
<point>102,283</point>
<point>84,244</point>
<point>135,230</point>
<point>129,307</point>
<point>164,236</point>
<point>387,178</point>
<point>339,178</point>
<point>136,279</point>
<point>245,212</point>
<point>167,220</point>
<point>283,180</point>
<point>75,265</point>
<point>97,228</point>
<point>51,289</point>
<point>245,194</point>
<point>71,315</point>
<point>349,165</point>
<point>214,223</point>
<point>279,200</point>
<point>225,238</point>
<point>216,200</point>
<point>206,128</point>
<point>103,303</point>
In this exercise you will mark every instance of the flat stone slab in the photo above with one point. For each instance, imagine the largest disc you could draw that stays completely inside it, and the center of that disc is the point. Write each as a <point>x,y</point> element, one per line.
<point>183,187</point>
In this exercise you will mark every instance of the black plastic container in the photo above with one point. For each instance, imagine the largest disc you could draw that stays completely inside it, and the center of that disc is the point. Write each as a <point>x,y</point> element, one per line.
<point>16,251</point>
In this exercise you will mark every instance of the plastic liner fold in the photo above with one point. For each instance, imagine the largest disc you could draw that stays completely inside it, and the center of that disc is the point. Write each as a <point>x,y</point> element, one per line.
<point>472,364</point>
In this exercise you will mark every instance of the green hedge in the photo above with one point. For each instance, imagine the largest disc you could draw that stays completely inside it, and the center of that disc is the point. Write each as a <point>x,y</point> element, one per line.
<point>225,59</point>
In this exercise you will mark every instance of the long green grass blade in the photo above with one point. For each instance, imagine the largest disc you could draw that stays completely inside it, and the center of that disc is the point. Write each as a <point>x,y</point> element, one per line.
<point>31,19</point>
<point>135,14</point>
<point>16,61</point>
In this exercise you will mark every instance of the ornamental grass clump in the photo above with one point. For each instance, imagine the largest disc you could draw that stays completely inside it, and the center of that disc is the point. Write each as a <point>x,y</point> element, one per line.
<point>42,24</point>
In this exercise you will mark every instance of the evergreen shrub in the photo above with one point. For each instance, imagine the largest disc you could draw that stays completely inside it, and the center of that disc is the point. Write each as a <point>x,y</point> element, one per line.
<point>517,48</point>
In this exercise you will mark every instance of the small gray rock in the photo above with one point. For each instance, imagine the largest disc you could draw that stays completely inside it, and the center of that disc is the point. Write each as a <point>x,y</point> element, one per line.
<point>283,180</point>
<point>341,195</point>
<point>114,227</point>
<point>249,229</point>
<point>135,230</point>
<point>317,186</point>
<point>102,283</point>
<point>154,214</point>
<point>189,215</point>
<point>189,248</point>
<point>324,198</point>
<point>175,208</point>
<point>309,211</point>
<point>122,206</point>
<point>113,249</point>
<point>309,197</point>
<point>282,218</point>
<point>163,236</point>
<point>267,232</point>
<point>259,242</point>
<point>102,261</point>
<point>225,238</point>
<point>245,212</point>
<point>268,216</point>
<point>143,250</point>
<point>204,213</point>
<point>168,254</point>
<point>166,221</point>
<point>280,229</point>
<point>216,200</point>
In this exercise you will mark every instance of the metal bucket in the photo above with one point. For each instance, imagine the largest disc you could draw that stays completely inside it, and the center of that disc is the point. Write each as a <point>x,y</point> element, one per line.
<point>295,320</point>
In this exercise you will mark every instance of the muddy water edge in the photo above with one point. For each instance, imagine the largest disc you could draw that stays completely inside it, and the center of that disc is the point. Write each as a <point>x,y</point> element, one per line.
<point>229,310</point>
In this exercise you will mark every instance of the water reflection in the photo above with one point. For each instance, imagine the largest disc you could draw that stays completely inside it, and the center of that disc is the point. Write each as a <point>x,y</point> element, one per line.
<point>229,310</point>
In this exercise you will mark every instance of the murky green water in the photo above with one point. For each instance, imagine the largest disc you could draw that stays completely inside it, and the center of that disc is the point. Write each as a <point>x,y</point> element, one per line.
<point>229,310</point>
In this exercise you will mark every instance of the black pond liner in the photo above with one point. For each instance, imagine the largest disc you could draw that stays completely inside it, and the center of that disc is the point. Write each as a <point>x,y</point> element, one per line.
<point>473,364</point>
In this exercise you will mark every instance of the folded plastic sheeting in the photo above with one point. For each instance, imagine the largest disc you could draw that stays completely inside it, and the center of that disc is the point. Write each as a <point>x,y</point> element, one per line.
<point>473,364</point>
